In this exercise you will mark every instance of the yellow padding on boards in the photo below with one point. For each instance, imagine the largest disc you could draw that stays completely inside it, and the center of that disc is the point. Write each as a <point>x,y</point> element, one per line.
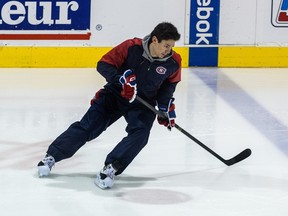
<point>253,57</point>
<point>51,57</point>
<point>184,52</point>
<point>60,57</point>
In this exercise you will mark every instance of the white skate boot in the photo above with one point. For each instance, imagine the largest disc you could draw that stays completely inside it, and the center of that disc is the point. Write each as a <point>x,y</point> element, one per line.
<point>45,166</point>
<point>105,178</point>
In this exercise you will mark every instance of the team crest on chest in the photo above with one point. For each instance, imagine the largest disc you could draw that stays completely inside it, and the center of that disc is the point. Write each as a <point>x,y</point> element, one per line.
<point>161,70</point>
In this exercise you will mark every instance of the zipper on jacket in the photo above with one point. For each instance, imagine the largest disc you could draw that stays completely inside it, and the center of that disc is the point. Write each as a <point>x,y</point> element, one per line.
<point>151,63</point>
<point>148,69</point>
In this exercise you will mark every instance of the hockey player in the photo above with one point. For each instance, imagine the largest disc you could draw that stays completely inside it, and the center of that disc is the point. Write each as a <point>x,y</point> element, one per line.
<point>147,67</point>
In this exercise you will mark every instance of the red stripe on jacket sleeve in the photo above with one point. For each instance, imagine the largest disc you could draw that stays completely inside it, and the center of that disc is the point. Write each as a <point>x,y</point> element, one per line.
<point>176,77</point>
<point>118,54</point>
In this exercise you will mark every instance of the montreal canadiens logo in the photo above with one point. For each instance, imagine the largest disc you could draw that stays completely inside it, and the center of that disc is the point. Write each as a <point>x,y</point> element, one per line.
<point>161,70</point>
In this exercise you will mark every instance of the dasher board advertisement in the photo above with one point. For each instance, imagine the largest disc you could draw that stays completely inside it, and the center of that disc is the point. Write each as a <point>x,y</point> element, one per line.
<point>48,20</point>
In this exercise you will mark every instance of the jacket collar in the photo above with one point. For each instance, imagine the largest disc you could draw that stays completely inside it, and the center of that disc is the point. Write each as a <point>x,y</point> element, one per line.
<point>146,54</point>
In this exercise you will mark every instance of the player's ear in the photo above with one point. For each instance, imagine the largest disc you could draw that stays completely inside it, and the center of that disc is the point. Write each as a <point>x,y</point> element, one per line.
<point>154,39</point>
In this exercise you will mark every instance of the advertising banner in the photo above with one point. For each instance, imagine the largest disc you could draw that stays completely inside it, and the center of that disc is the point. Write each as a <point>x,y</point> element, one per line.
<point>279,14</point>
<point>204,22</point>
<point>45,20</point>
<point>204,30</point>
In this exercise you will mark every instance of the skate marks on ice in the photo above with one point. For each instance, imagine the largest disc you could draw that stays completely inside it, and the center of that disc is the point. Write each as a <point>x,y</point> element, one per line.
<point>19,155</point>
<point>185,187</point>
<point>154,196</point>
<point>84,181</point>
<point>263,119</point>
<point>173,188</point>
<point>126,188</point>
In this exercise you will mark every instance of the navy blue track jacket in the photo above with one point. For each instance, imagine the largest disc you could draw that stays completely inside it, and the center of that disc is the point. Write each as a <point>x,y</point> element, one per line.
<point>156,78</point>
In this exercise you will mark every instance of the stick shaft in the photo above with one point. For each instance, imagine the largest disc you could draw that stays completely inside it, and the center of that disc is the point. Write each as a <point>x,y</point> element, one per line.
<point>241,156</point>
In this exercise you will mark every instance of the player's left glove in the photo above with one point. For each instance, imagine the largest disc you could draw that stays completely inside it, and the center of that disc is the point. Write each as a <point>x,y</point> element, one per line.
<point>129,85</point>
<point>169,114</point>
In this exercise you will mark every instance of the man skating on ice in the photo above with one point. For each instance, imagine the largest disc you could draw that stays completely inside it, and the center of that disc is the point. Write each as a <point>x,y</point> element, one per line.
<point>146,67</point>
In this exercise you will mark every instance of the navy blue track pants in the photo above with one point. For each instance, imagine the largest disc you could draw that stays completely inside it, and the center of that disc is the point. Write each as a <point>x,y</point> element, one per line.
<point>104,112</point>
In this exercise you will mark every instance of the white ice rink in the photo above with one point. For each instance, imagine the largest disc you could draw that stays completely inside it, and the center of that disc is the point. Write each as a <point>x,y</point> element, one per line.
<point>229,110</point>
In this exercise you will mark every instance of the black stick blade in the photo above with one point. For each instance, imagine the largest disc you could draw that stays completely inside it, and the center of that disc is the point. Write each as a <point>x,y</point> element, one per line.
<point>241,156</point>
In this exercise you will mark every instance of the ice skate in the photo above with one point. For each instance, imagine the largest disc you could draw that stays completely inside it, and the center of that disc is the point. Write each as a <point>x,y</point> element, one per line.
<point>45,166</point>
<point>105,178</point>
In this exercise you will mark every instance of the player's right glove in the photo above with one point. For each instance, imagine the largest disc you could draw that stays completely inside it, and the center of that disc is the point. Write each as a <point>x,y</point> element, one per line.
<point>169,114</point>
<point>129,85</point>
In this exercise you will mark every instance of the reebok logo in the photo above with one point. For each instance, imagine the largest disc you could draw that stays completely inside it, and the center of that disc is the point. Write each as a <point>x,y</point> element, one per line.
<point>204,22</point>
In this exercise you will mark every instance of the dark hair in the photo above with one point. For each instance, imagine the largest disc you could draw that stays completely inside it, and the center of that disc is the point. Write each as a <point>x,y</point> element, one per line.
<point>165,31</point>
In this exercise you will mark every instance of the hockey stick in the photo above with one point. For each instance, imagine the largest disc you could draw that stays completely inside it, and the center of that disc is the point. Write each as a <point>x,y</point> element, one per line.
<point>241,156</point>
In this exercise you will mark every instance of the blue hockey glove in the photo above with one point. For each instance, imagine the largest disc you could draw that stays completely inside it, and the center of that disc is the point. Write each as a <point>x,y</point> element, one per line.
<point>129,85</point>
<point>169,115</point>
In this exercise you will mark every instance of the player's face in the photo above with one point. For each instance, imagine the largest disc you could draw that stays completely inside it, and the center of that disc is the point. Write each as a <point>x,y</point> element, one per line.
<point>161,49</point>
